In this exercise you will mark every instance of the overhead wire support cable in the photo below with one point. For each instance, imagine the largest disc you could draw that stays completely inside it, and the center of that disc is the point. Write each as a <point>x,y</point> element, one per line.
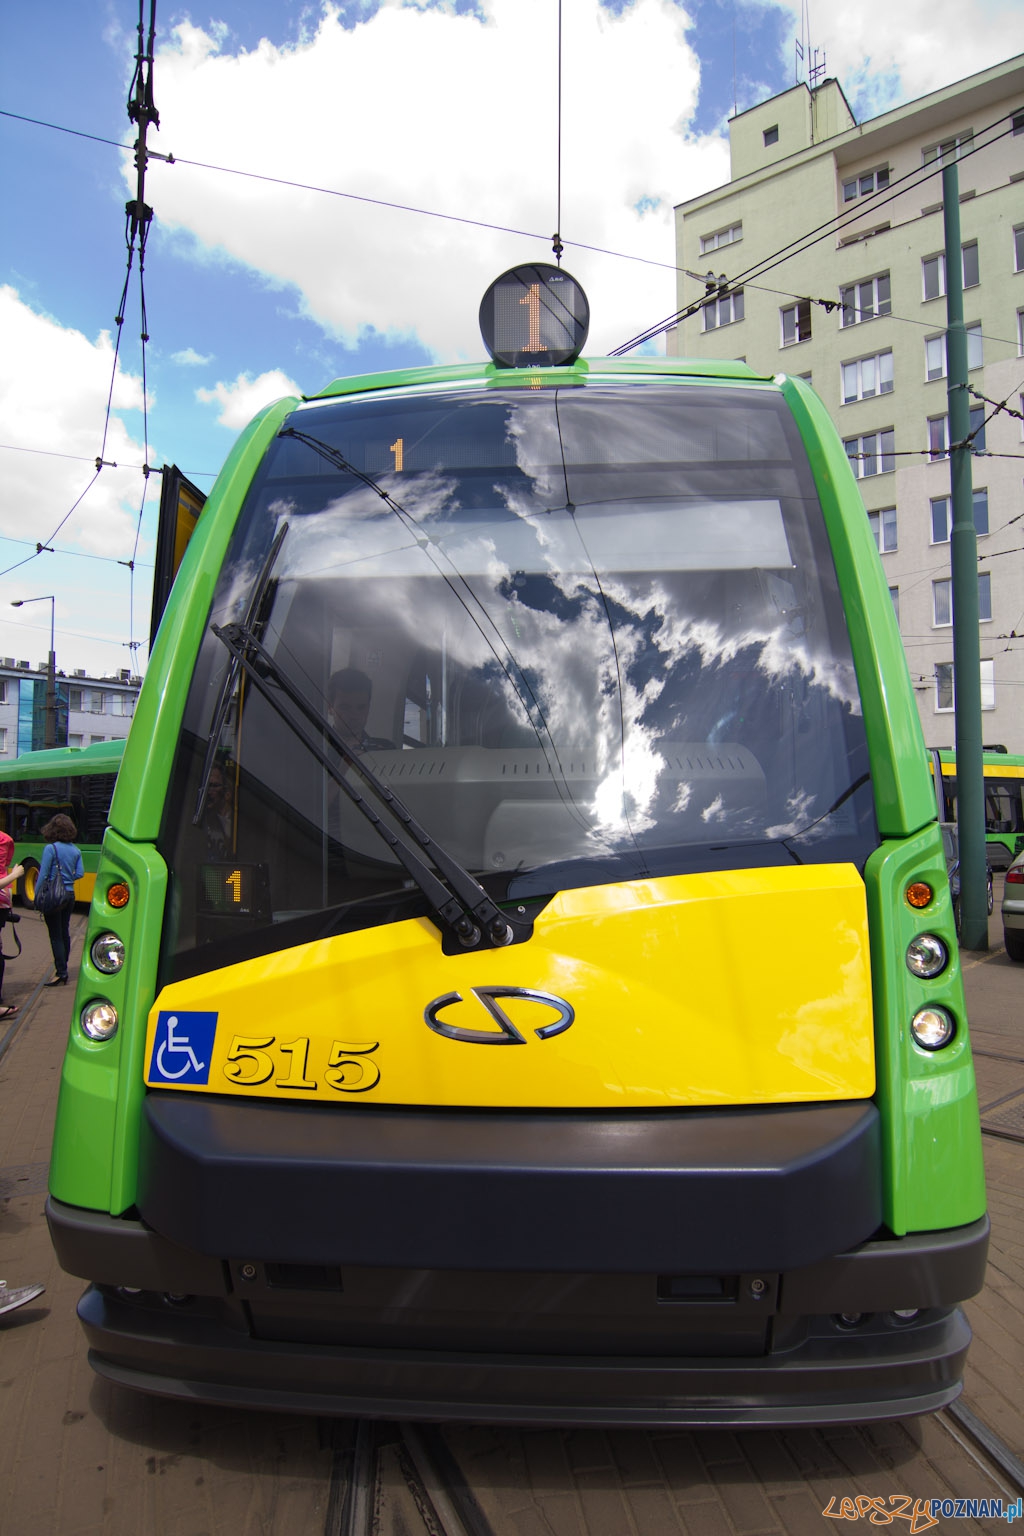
<point>556,238</point>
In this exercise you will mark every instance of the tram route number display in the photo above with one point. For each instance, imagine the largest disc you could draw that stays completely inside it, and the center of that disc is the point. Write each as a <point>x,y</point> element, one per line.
<point>234,890</point>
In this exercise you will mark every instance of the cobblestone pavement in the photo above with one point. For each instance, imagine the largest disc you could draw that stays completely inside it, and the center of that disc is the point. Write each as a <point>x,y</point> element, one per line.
<point>79,1457</point>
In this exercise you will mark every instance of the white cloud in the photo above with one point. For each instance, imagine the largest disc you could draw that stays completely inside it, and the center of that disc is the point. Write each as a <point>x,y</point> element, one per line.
<point>240,401</point>
<point>188,357</point>
<point>885,54</point>
<point>441,111</point>
<point>53,395</point>
<point>54,383</point>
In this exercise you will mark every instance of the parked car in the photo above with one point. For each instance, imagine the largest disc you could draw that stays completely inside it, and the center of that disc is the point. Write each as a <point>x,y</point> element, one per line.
<point>1013,909</point>
<point>951,843</point>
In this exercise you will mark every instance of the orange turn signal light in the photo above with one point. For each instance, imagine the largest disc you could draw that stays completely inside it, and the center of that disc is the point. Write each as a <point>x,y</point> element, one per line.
<point>919,894</point>
<point>118,895</point>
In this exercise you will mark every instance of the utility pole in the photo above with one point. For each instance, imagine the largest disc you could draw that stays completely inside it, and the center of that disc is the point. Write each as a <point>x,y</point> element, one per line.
<point>963,558</point>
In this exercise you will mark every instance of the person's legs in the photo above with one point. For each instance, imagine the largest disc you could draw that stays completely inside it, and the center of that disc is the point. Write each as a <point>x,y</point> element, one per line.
<point>55,928</point>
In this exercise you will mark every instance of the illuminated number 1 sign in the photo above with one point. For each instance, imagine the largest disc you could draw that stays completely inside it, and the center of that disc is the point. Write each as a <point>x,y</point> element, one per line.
<point>398,449</point>
<point>552,331</point>
<point>234,881</point>
<point>532,298</point>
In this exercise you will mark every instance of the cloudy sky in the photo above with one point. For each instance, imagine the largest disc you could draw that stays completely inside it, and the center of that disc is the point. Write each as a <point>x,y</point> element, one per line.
<point>347,180</point>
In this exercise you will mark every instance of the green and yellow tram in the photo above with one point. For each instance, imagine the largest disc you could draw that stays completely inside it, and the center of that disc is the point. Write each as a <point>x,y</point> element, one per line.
<point>75,781</point>
<point>1003,775</point>
<point>521,982</point>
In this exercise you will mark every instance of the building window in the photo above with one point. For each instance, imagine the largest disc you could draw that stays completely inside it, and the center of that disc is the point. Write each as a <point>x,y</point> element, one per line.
<point>871,454</point>
<point>771,135</point>
<point>883,526</point>
<point>723,311</point>
<point>942,602</point>
<point>1018,248</point>
<point>74,739</point>
<point>933,270</point>
<point>969,255</point>
<point>1018,122</point>
<point>3,738</point>
<point>3,690</point>
<point>938,436</point>
<point>938,433</point>
<point>121,704</point>
<point>94,740</point>
<point>984,597</point>
<point>796,322</point>
<point>945,690</point>
<point>935,363</point>
<point>949,149</point>
<point>1020,333</point>
<point>866,377</point>
<point>863,301</point>
<point>894,594</point>
<point>866,183</point>
<point>942,516</point>
<point>721,237</point>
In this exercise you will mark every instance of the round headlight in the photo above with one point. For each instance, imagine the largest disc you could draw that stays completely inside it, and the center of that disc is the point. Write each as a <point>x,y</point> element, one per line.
<point>99,1020</point>
<point>107,953</point>
<point>932,1028</point>
<point>927,955</point>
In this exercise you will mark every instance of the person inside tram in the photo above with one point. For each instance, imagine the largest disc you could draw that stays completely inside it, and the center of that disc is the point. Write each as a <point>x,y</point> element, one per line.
<point>348,703</point>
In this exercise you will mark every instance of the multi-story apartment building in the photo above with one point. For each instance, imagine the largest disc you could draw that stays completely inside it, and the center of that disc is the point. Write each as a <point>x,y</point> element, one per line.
<point>861,312</point>
<point>89,709</point>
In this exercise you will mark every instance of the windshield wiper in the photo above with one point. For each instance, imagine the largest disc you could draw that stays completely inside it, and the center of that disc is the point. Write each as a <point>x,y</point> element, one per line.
<point>461,908</point>
<point>255,619</point>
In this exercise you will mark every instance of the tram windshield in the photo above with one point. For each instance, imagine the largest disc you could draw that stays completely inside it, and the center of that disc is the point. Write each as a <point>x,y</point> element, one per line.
<point>585,634</point>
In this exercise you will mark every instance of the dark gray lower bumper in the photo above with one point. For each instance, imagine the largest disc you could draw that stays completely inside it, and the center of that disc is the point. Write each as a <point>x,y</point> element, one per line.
<point>741,1349</point>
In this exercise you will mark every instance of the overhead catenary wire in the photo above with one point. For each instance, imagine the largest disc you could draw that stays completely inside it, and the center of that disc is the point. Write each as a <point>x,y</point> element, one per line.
<point>138,217</point>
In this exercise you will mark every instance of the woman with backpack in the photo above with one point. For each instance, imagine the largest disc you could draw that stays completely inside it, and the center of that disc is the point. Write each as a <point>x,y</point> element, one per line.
<point>60,855</point>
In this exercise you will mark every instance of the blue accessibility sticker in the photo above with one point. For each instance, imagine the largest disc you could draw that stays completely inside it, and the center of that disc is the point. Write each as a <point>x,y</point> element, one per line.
<point>183,1048</point>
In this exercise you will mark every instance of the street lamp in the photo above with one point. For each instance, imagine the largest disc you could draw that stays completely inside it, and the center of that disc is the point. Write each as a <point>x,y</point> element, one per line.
<point>51,673</point>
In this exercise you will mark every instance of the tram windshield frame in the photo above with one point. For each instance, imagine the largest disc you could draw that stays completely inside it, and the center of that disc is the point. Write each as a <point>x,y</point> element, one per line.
<point>600,636</point>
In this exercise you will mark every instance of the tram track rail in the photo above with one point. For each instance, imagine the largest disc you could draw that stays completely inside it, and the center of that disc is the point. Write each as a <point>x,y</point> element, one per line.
<point>370,1458</point>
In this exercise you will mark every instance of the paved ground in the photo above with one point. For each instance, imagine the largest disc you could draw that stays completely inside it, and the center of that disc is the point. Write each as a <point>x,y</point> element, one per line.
<point>79,1457</point>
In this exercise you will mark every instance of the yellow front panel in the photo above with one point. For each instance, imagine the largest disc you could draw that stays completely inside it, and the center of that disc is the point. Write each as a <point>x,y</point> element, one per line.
<point>738,987</point>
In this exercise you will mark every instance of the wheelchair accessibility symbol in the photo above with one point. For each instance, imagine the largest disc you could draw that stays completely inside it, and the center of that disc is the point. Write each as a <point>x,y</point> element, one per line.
<point>182,1048</point>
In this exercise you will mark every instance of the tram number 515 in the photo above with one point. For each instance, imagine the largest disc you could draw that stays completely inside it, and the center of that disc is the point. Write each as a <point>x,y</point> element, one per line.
<point>348,1070</point>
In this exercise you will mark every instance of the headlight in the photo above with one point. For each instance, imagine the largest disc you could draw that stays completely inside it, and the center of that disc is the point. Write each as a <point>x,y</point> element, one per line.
<point>107,953</point>
<point>932,1028</point>
<point>99,1020</point>
<point>927,956</point>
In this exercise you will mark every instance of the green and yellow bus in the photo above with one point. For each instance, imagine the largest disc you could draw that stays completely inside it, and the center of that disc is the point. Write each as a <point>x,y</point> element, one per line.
<point>77,781</point>
<point>521,982</point>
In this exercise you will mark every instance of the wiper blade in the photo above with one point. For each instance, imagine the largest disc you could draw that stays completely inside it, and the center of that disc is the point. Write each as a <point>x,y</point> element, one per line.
<point>253,616</point>
<point>461,908</point>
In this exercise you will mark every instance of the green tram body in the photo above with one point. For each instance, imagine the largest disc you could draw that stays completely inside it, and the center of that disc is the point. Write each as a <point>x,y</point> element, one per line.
<point>78,781</point>
<point>472,1262</point>
<point>1004,802</point>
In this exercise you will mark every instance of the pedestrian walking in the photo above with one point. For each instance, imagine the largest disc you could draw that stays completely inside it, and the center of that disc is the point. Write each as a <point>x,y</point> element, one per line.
<point>61,852</point>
